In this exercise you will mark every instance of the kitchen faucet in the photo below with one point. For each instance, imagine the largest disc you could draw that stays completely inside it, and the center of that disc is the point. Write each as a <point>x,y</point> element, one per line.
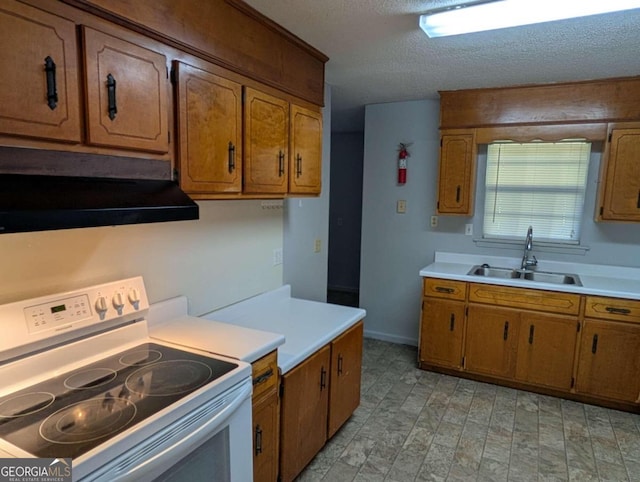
<point>528,246</point>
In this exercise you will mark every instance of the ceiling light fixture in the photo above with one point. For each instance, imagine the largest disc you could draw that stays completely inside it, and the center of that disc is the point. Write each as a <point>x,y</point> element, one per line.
<point>496,14</point>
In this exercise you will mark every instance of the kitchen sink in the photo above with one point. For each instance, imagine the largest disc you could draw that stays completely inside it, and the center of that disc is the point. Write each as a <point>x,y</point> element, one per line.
<point>538,276</point>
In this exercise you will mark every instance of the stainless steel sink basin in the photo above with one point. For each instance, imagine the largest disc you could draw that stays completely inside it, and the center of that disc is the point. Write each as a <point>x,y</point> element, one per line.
<point>538,276</point>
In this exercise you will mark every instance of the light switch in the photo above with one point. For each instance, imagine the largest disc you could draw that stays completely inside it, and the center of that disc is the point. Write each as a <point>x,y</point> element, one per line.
<point>401,206</point>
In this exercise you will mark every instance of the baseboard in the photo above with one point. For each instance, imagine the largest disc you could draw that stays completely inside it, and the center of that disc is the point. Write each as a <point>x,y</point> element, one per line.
<point>402,340</point>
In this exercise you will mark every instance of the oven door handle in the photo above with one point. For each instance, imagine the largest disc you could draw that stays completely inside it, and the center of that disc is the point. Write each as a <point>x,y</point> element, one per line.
<point>195,435</point>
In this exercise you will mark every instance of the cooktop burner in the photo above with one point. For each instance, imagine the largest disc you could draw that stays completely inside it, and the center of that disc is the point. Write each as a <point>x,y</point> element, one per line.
<point>68,415</point>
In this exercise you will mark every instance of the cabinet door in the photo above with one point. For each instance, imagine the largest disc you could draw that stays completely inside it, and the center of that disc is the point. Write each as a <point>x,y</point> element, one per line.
<point>303,427</point>
<point>609,360</point>
<point>305,166</point>
<point>126,90</point>
<point>622,179</point>
<point>546,348</point>
<point>346,368</point>
<point>39,91</point>
<point>441,332</point>
<point>210,131</point>
<point>492,335</point>
<point>266,141</point>
<point>265,439</point>
<point>457,174</point>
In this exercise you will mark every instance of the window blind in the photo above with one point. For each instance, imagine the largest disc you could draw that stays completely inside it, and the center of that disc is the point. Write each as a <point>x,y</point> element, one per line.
<point>539,184</point>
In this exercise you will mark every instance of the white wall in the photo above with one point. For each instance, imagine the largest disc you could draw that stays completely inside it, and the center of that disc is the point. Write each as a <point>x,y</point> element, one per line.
<point>224,257</point>
<point>307,219</point>
<point>395,246</point>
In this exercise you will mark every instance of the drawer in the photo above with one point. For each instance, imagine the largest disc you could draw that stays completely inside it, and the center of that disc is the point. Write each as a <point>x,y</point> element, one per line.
<point>612,309</point>
<point>444,288</point>
<point>265,374</point>
<point>539,300</point>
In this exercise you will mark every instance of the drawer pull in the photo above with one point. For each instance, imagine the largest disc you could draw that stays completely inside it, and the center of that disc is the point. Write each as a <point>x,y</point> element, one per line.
<point>258,441</point>
<point>340,359</point>
<point>442,289</point>
<point>594,344</point>
<point>505,335</point>
<point>52,91</point>
<point>452,322</point>
<point>323,379</point>
<point>263,378</point>
<point>531,328</point>
<point>618,311</point>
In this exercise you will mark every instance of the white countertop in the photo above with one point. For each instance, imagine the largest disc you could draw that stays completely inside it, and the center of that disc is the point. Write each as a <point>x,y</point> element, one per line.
<point>306,325</point>
<point>168,321</point>
<point>601,280</point>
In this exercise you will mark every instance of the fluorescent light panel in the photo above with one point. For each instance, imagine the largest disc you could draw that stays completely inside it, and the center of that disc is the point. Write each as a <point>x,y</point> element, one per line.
<point>512,13</point>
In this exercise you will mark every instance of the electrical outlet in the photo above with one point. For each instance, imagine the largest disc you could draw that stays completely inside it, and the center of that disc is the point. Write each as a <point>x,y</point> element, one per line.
<point>401,206</point>
<point>277,256</point>
<point>317,245</point>
<point>468,229</point>
<point>434,221</point>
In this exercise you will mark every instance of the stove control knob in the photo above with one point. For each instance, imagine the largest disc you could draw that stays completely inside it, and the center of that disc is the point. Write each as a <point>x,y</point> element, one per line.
<point>101,305</point>
<point>118,301</point>
<point>134,297</point>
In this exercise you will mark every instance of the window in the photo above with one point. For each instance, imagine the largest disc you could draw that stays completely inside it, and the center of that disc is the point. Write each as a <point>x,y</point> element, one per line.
<point>537,184</point>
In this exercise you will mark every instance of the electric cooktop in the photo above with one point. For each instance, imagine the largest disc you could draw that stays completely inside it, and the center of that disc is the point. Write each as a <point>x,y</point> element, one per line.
<point>69,415</point>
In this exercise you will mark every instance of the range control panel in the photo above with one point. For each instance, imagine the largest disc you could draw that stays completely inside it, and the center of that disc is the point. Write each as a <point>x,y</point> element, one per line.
<point>38,319</point>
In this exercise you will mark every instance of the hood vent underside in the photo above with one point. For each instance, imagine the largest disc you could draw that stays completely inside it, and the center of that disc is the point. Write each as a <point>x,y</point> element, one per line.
<point>41,203</point>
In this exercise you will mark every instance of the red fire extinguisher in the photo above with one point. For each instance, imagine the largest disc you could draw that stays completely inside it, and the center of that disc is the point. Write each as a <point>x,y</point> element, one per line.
<point>403,154</point>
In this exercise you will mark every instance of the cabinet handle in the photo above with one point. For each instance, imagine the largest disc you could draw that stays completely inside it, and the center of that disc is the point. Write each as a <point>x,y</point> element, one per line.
<point>323,379</point>
<point>594,344</point>
<point>111,93</point>
<point>298,165</point>
<point>52,91</point>
<point>232,157</point>
<point>281,164</point>
<point>638,205</point>
<point>452,322</point>
<point>340,364</point>
<point>263,378</point>
<point>505,335</point>
<point>442,289</point>
<point>531,328</point>
<point>458,194</point>
<point>258,441</point>
<point>618,311</point>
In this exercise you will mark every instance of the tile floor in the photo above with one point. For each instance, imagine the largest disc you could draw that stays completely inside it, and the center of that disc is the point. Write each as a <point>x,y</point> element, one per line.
<point>414,425</point>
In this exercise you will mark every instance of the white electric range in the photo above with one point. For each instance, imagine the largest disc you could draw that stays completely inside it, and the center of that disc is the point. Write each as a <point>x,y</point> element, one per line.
<point>82,380</point>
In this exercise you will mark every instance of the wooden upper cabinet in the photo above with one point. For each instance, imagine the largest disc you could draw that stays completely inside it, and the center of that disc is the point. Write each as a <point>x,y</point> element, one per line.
<point>39,91</point>
<point>621,176</point>
<point>127,94</point>
<point>346,367</point>
<point>305,166</point>
<point>209,131</point>
<point>457,173</point>
<point>266,143</point>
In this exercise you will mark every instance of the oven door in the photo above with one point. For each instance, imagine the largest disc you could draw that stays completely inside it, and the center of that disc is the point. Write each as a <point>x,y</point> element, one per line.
<point>212,443</point>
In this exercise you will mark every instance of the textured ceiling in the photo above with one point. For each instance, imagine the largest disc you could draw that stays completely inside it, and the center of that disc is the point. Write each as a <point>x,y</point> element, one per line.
<point>379,54</point>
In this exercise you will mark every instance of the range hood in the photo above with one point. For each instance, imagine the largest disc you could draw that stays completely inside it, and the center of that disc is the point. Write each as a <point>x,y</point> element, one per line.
<point>40,203</point>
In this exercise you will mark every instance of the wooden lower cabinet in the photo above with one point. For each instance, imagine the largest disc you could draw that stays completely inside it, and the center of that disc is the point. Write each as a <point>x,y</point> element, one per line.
<point>346,368</point>
<point>491,343</point>
<point>442,328</point>
<point>305,403</point>
<point>546,349</point>
<point>317,397</point>
<point>609,360</point>
<point>266,417</point>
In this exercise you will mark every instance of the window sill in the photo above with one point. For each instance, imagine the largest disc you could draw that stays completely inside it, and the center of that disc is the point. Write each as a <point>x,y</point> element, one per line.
<point>540,246</point>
